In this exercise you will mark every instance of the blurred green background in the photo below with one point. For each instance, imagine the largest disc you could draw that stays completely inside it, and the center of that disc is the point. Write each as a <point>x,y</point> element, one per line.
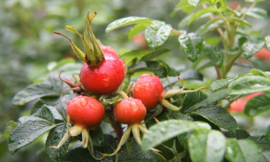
<point>28,44</point>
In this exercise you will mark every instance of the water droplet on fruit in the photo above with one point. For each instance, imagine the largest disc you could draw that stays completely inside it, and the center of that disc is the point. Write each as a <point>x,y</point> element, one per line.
<point>137,87</point>
<point>83,101</point>
<point>133,106</point>
<point>147,86</point>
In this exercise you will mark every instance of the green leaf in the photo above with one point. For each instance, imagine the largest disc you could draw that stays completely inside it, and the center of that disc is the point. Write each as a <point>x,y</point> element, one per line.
<point>134,54</point>
<point>80,154</point>
<point>242,150</point>
<point>125,22</point>
<point>166,130</point>
<point>207,146</point>
<point>44,113</point>
<point>191,99</point>
<point>249,84</point>
<point>214,97</point>
<point>27,132</point>
<point>184,21</point>
<point>238,134</point>
<point>185,6</point>
<point>97,137</point>
<point>11,125</point>
<point>192,45</point>
<point>211,22</point>
<point>161,69</point>
<point>194,2</point>
<point>156,34</point>
<point>137,155</point>
<point>267,41</point>
<point>250,48</point>
<point>228,10</point>
<point>137,29</point>
<point>261,141</point>
<point>257,13</point>
<point>154,54</point>
<point>258,105</point>
<point>213,41</point>
<point>200,13</point>
<point>54,137</point>
<point>214,54</point>
<point>222,83</point>
<point>218,116</point>
<point>241,21</point>
<point>51,87</point>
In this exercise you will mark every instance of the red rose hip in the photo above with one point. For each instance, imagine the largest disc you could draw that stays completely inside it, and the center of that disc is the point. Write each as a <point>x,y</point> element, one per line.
<point>129,111</point>
<point>104,78</point>
<point>148,88</point>
<point>86,112</point>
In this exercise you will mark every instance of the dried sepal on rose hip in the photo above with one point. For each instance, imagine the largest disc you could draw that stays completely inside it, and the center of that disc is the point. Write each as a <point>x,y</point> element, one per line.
<point>130,111</point>
<point>103,71</point>
<point>84,113</point>
<point>149,89</point>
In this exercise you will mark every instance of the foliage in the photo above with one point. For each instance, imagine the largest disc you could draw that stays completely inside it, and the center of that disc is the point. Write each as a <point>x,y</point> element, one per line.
<point>201,129</point>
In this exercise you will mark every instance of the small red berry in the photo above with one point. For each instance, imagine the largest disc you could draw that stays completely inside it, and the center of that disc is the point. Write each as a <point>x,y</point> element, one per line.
<point>148,88</point>
<point>86,112</point>
<point>105,78</point>
<point>129,111</point>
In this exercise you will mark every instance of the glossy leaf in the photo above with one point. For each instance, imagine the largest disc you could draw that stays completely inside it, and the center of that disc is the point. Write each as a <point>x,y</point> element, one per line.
<point>154,54</point>
<point>242,150</point>
<point>241,21</point>
<point>257,13</point>
<point>249,84</point>
<point>161,69</point>
<point>250,48</point>
<point>218,84</point>
<point>11,125</point>
<point>238,134</point>
<point>185,6</point>
<point>156,34</point>
<point>191,99</point>
<point>134,54</point>
<point>27,132</point>
<point>138,155</point>
<point>53,139</point>
<point>207,146</point>
<point>192,45</point>
<point>137,29</point>
<point>51,87</point>
<point>258,105</point>
<point>214,97</point>
<point>200,13</point>
<point>125,22</point>
<point>45,113</point>
<point>214,54</point>
<point>261,141</point>
<point>228,10</point>
<point>218,116</point>
<point>211,22</point>
<point>267,41</point>
<point>166,130</point>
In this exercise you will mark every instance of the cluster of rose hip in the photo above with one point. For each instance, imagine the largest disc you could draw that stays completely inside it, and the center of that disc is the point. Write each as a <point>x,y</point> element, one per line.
<point>100,78</point>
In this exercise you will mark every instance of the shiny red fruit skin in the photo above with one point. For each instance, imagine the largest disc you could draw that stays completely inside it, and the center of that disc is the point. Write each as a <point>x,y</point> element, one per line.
<point>129,111</point>
<point>148,88</point>
<point>263,54</point>
<point>105,78</point>
<point>85,111</point>
<point>108,50</point>
<point>239,105</point>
